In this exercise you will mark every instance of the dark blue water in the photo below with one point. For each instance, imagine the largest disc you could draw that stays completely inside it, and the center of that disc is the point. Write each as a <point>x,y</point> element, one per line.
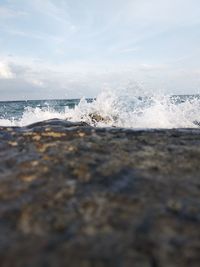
<point>15,109</point>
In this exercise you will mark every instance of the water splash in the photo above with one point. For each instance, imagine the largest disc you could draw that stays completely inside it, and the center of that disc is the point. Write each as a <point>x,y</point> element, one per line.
<point>113,109</point>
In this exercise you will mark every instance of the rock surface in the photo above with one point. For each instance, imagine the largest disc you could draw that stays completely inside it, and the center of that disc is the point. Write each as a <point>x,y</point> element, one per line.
<point>73,195</point>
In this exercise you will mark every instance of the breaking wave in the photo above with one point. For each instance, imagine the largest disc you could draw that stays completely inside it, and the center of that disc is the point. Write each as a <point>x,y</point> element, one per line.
<point>111,109</point>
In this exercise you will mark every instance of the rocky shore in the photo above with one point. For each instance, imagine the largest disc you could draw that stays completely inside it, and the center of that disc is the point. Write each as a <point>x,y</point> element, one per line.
<point>73,195</point>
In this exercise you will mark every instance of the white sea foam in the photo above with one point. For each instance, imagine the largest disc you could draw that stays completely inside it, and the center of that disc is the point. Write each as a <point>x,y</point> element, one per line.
<point>121,110</point>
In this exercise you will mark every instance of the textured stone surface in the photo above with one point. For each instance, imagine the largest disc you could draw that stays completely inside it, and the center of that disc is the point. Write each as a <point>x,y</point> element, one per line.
<point>73,195</point>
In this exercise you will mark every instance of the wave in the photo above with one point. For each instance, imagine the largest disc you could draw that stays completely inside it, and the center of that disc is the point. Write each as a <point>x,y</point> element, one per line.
<point>111,109</point>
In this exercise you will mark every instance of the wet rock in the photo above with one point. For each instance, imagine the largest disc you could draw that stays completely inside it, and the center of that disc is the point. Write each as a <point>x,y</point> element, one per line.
<point>57,123</point>
<point>74,195</point>
<point>96,117</point>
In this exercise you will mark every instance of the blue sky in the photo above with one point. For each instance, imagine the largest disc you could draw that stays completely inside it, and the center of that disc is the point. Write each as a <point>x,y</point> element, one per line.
<point>74,48</point>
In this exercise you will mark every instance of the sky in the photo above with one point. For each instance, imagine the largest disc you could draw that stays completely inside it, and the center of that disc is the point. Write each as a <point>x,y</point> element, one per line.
<point>75,48</point>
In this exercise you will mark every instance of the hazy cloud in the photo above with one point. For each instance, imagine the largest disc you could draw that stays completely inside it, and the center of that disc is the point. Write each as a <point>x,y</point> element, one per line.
<point>71,48</point>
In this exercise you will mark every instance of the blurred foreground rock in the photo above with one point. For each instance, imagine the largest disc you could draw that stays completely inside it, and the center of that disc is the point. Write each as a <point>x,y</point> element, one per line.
<point>77,196</point>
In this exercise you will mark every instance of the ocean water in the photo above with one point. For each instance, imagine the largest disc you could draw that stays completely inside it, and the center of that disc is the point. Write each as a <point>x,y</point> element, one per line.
<point>109,109</point>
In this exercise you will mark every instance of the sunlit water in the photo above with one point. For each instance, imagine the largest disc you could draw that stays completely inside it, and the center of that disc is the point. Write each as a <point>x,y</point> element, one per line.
<point>108,109</point>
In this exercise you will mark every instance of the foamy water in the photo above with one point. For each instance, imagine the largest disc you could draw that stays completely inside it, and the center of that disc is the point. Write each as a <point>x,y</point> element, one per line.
<point>112,109</point>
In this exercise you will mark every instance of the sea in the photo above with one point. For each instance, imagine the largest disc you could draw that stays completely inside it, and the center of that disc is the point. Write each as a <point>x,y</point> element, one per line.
<point>108,109</point>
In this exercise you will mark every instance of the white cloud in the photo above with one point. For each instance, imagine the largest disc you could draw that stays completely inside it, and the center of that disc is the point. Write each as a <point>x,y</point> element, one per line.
<point>5,71</point>
<point>34,79</point>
